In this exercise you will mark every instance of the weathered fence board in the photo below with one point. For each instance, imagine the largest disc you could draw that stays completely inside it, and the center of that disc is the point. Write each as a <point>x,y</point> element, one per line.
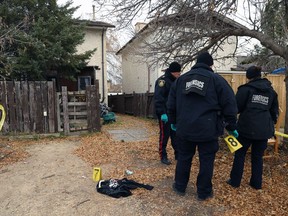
<point>32,108</point>
<point>25,107</point>
<point>93,111</point>
<point>51,109</point>
<point>39,107</point>
<point>12,107</point>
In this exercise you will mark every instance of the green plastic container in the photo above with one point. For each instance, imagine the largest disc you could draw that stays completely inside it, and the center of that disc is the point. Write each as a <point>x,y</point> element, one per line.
<point>109,117</point>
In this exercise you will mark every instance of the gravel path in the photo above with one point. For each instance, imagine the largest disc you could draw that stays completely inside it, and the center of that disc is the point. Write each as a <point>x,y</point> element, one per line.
<point>53,181</point>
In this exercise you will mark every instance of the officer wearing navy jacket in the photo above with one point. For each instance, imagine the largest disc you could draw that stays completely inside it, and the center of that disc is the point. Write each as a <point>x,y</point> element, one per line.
<point>200,104</point>
<point>162,88</point>
<point>258,108</point>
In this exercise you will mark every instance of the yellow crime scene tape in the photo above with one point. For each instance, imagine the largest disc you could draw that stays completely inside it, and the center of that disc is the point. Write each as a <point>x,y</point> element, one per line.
<point>3,116</point>
<point>232,143</point>
<point>281,134</point>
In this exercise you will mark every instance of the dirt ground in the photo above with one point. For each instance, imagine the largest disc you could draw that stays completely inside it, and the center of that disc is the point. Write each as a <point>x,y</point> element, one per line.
<point>53,176</point>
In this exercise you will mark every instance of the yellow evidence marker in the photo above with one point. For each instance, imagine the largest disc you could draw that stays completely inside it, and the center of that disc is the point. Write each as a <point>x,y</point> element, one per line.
<point>232,143</point>
<point>97,175</point>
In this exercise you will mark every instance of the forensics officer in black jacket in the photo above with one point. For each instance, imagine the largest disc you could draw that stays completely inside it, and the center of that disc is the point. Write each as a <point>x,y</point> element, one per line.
<point>200,105</point>
<point>162,88</point>
<point>258,108</point>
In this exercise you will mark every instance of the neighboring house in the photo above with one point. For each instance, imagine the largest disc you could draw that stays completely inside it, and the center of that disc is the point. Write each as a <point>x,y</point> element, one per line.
<point>114,88</point>
<point>96,69</point>
<point>139,76</point>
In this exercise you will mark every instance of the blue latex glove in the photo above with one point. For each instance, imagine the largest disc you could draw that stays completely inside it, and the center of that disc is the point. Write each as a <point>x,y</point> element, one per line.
<point>234,133</point>
<point>164,118</point>
<point>173,127</point>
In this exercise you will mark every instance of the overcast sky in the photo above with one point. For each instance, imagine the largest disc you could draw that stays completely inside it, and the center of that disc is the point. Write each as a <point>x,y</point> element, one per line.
<point>85,11</point>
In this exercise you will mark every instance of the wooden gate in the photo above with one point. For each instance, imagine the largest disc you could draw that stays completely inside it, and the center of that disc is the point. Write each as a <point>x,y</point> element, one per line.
<point>79,110</point>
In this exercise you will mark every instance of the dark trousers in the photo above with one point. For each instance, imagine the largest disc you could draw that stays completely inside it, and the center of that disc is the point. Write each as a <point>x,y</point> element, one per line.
<point>186,151</point>
<point>257,151</point>
<point>165,133</point>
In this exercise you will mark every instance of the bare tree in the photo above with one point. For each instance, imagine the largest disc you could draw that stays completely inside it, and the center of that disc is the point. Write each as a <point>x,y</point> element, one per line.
<point>206,24</point>
<point>185,23</point>
<point>113,61</point>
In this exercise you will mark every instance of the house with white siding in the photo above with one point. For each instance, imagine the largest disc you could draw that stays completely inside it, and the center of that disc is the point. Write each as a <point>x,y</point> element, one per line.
<point>96,69</point>
<point>139,73</point>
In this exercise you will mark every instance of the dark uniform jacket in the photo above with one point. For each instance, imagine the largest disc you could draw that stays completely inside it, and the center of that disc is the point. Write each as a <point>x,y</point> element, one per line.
<point>258,107</point>
<point>201,100</point>
<point>162,88</point>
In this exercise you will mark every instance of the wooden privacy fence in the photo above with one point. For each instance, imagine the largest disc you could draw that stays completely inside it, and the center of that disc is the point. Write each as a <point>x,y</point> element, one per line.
<point>235,80</point>
<point>278,83</point>
<point>133,104</point>
<point>35,107</point>
<point>29,106</point>
<point>143,104</point>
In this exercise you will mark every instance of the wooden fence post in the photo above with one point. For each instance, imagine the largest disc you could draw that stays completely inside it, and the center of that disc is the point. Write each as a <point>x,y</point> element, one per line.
<point>98,112</point>
<point>56,107</point>
<point>66,127</point>
<point>39,108</point>
<point>51,107</point>
<point>93,108</point>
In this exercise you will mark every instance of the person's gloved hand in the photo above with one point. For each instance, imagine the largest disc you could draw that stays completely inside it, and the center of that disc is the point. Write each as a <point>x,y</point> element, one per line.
<point>164,118</point>
<point>234,133</point>
<point>173,127</point>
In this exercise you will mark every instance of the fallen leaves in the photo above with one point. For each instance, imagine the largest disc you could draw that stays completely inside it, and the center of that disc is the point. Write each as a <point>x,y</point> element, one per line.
<point>142,158</point>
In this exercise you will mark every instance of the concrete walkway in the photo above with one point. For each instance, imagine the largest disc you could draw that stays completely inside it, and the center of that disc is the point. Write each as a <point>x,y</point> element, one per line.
<point>129,135</point>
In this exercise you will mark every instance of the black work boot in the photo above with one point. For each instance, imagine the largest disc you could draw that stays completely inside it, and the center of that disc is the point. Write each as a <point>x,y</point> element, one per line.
<point>180,193</point>
<point>166,161</point>
<point>203,198</point>
<point>230,183</point>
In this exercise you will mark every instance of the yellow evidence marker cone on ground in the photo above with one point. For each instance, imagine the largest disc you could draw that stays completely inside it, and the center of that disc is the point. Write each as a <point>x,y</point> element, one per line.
<point>232,143</point>
<point>97,174</point>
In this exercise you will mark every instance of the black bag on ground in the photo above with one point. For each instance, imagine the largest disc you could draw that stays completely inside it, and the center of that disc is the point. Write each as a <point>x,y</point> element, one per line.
<point>119,187</point>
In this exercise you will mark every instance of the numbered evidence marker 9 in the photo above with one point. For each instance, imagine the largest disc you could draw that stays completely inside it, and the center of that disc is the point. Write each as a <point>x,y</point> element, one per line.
<point>232,143</point>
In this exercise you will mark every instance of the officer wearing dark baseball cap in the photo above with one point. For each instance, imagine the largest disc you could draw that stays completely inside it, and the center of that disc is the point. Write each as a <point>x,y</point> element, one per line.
<point>162,88</point>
